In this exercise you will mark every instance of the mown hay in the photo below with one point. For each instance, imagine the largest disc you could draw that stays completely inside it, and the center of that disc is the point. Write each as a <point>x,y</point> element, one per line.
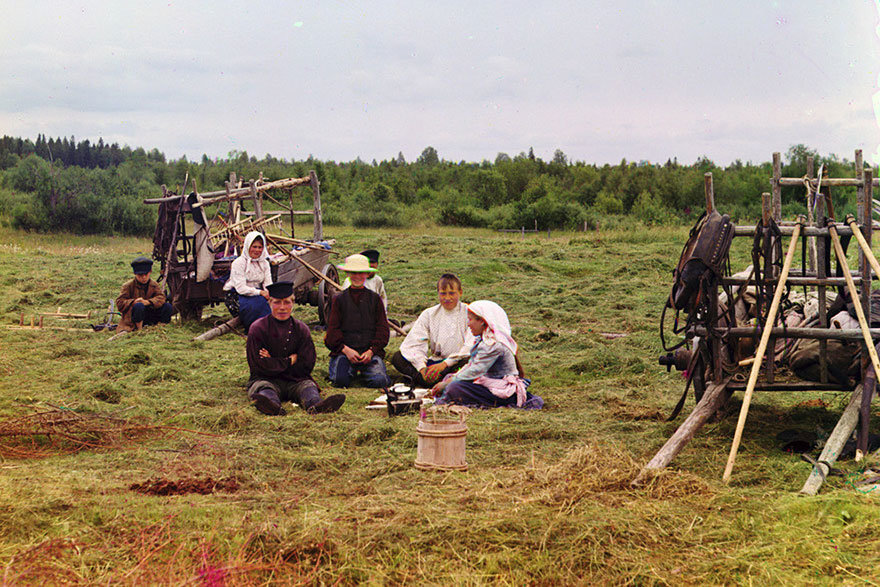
<point>129,552</point>
<point>603,472</point>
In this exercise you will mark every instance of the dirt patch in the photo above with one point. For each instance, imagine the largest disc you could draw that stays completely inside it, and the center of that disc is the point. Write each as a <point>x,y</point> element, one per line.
<point>812,403</point>
<point>625,411</point>
<point>202,486</point>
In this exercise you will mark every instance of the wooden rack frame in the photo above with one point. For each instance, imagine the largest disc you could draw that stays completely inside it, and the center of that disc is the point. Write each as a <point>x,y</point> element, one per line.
<point>720,387</point>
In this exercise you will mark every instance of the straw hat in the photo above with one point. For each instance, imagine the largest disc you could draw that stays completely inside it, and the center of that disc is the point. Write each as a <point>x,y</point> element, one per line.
<point>357,264</point>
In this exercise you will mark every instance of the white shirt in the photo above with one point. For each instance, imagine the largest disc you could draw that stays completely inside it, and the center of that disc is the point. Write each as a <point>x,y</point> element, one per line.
<point>438,334</point>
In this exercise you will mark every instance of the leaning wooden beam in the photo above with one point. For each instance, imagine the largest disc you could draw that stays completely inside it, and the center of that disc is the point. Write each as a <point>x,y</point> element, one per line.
<point>714,398</point>
<point>834,444</point>
<point>300,243</point>
<point>854,296</point>
<point>222,196</point>
<point>780,332</point>
<point>788,229</point>
<point>866,248</point>
<point>238,193</point>
<point>217,331</point>
<point>829,181</point>
<point>759,354</point>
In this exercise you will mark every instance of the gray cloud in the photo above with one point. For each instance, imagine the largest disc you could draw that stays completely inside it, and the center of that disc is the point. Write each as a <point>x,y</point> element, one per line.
<point>602,81</point>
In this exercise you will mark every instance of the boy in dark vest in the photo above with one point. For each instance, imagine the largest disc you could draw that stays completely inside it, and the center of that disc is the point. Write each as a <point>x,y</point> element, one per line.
<point>357,330</point>
<point>142,301</point>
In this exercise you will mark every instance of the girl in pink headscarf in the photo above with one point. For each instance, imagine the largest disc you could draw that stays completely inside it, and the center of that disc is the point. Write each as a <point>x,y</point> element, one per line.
<point>491,377</point>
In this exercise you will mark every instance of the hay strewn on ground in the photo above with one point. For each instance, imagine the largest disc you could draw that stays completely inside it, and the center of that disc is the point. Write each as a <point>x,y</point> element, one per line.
<point>233,497</point>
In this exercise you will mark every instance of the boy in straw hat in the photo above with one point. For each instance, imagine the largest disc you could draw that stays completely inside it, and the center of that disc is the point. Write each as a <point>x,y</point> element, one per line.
<point>281,356</point>
<point>357,330</point>
<point>374,281</point>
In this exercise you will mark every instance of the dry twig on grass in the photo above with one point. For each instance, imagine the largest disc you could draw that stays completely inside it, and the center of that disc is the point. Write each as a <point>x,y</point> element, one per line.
<point>59,431</point>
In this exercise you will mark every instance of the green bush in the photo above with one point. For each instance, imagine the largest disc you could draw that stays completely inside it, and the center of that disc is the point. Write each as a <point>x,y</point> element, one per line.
<point>376,215</point>
<point>650,210</point>
<point>607,203</point>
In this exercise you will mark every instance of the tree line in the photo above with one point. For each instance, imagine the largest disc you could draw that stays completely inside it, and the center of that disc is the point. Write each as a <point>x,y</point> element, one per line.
<point>61,184</point>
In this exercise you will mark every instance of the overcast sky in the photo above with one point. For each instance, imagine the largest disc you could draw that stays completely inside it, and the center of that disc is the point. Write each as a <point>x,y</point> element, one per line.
<point>602,81</point>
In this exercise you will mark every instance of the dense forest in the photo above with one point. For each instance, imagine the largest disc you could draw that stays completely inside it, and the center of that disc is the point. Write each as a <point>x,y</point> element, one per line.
<point>84,187</point>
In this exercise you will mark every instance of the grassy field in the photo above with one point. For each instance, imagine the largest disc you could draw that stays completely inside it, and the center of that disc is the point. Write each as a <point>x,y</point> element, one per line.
<point>335,499</point>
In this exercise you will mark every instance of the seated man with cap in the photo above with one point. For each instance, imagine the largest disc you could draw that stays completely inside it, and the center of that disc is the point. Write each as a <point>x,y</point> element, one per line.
<point>142,301</point>
<point>281,356</point>
<point>357,330</point>
<point>374,281</point>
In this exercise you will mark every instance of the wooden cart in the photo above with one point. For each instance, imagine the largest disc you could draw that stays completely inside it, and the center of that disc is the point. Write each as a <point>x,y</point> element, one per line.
<point>195,243</point>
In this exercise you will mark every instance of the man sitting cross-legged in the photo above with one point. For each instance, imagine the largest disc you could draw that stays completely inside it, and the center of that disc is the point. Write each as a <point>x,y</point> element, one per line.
<point>281,356</point>
<point>439,342</point>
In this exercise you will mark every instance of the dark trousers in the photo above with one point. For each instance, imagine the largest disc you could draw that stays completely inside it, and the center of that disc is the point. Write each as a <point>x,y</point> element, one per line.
<point>150,315</point>
<point>303,392</point>
<point>405,368</point>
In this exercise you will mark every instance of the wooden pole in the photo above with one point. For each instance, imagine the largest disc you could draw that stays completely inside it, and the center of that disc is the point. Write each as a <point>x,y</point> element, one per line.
<point>860,313</point>
<point>759,354</point>
<point>777,187</point>
<point>709,190</point>
<point>813,219</point>
<point>866,248</point>
<point>854,295</point>
<point>258,201</point>
<point>714,397</point>
<point>318,219</point>
<point>822,245</point>
<point>841,433</point>
<point>241,192</point>
<point>320,275</point>
<point>220,330</point>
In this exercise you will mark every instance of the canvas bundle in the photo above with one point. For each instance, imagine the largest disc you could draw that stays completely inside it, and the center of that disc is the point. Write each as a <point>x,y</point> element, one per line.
<point>841,356</point>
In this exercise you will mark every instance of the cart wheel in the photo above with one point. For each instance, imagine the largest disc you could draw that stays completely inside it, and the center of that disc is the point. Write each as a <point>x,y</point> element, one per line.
<point>326,292</point>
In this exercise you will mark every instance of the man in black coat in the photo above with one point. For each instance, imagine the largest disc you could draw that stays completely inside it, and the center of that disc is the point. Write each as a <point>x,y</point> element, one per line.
<point>281,356</point>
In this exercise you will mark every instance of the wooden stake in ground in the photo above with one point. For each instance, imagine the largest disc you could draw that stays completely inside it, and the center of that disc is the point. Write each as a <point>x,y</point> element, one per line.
<point>854,295</point>
<point>762,347</point>
<point>834,444</point>
<point>713,399</point>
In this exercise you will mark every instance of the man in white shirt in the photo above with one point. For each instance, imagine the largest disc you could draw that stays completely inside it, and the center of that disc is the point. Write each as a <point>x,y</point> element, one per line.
<point>439,342</point>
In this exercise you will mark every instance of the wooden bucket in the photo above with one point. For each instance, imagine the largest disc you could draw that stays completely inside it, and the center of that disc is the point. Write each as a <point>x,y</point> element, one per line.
<point>441,445</point>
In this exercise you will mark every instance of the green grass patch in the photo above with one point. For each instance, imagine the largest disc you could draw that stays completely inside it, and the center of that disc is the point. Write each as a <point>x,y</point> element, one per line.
<point>335,499</point>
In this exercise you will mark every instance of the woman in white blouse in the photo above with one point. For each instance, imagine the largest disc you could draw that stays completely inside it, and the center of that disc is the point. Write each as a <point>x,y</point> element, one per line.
<point>249,275</point>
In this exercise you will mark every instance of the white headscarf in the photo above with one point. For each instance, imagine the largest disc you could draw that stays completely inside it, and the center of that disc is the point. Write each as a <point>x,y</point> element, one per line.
<point>497,323</point>
<point>246,247</point>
